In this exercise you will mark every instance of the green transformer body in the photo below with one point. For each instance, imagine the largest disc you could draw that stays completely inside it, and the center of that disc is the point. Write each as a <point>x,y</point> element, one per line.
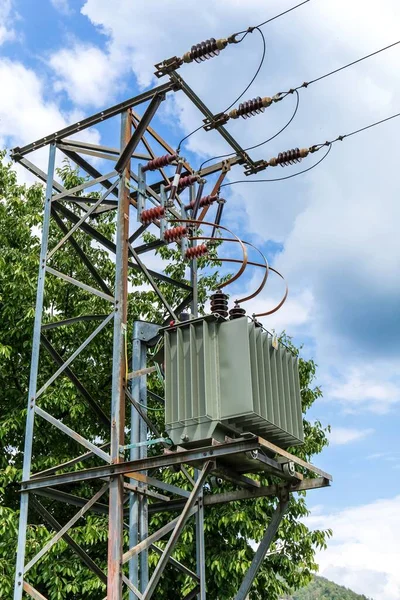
<point>227,376</point>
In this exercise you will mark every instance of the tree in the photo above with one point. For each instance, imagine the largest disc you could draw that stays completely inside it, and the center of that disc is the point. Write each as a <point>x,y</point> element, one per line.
<point>230,529</point>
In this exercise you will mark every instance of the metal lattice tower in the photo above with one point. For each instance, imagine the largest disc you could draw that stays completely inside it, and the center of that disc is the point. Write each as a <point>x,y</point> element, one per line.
<point>117,477</point>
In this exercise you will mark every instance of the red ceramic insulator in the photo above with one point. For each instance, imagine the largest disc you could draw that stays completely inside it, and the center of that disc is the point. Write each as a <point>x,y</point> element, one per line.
<point>152,214</point>
<point>289,157</point>
<point>250,108</point>
<point>196,251</point>
<point>159,162</point>
<point>205,201</point>
<point>175,234</point>
<point>204,50</point>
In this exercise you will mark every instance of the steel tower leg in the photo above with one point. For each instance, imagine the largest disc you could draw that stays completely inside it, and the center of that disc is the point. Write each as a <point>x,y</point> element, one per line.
<point>133,455</point>
<point>115,526</point>
<point>262,550</point>
<point>23,519</point>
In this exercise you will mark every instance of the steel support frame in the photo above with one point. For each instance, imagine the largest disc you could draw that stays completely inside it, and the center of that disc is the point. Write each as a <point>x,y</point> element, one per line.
<point>115,469</point>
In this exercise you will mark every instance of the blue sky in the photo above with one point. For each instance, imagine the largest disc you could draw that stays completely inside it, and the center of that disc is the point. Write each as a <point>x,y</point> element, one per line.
<point>333,232</point>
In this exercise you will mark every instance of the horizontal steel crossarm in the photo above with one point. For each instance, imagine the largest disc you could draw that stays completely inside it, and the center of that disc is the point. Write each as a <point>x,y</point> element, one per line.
<point>177,531</point>
<point>75,354</point>
<point>152,462</point>
<point>81,220</point>
<point>89,152</point>
<point>92,120</point>
<point>66,527</point>
<point>73,434</point>
<point>177,79</point>
<point>83,286</point>
<point>103,418</point>
<point>74,545</point>
<point>291,457</point>
<point>71,499</point>
<point>154,537</point>
<point>262,551</point>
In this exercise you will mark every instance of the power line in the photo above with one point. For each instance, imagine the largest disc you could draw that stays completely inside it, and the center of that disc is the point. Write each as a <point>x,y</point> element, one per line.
<point>354,62</point>
<point>305,85</point>
<point>246,32</point>
<point>316,147</point>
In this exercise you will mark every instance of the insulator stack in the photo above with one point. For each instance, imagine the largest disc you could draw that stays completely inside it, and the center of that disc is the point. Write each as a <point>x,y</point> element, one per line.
<point>219,304</point>
<point>159,162</point>
<point>152,214</point>
<point>289,157</point>
<point>205,50</point>
<point>236,312</point>
<point>196,251</point>
<point>184,182</point>
<point>175,234</point>
<point>204,201</point>
<point>250,108</point>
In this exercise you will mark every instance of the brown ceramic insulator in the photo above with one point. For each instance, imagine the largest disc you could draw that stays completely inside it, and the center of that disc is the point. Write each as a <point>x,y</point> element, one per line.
<point>236,312</point>
<point>289,157</point>
<point>152,214</point>
<point>159,162</point>
<point>219,304</point>
<point>204,50</point>
<point>175,234</point>
<point>196,251</point>
<point>250,108</point>
<point>187,180</point>
<point>205,201</point>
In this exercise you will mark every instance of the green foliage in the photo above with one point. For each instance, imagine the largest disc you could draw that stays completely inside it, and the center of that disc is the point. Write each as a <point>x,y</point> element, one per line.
<point>230,529</point>
<point>322,589</point>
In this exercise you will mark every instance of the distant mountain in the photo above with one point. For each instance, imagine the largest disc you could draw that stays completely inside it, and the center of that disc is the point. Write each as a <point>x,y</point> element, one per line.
<point>322,589</point>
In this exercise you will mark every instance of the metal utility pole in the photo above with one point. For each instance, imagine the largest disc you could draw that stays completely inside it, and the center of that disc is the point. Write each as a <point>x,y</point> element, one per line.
<point>126,492</point>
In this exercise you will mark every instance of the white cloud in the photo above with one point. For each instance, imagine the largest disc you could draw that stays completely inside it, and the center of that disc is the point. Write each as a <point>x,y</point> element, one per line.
<point>364,552</point>
<point>7,32</point>
<point>340,436</point>
<point>63,7</point>
<point>86,73</point>
<point>365,387</point>
<point>26,114</point>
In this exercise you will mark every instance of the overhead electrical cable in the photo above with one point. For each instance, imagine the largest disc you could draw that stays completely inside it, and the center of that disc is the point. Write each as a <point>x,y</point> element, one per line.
<point>282,95</point>
<point>312,149</point>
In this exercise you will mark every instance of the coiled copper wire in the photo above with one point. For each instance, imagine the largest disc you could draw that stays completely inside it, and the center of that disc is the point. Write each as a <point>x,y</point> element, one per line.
<point>152,214</point>
<point>196,251</point>
<point>159,162</point>
<point>175,234</point>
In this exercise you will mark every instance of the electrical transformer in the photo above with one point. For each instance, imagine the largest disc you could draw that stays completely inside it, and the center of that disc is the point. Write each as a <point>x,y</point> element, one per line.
<point>228,376</point>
